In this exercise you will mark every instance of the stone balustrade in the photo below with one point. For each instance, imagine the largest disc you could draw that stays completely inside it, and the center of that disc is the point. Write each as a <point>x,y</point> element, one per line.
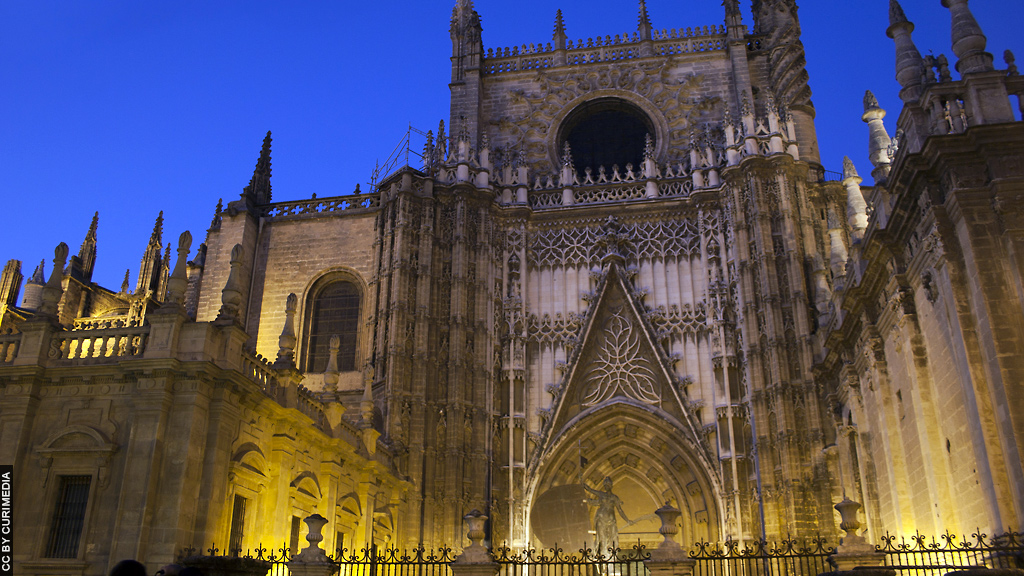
<point>99,345</point>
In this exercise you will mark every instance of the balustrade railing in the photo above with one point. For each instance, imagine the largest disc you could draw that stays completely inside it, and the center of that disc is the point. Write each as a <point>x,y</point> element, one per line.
<point>317,206</point>
<point>99,345</point>
<point>605,49</point>
<point>310,406</point>
<point>258,369</point>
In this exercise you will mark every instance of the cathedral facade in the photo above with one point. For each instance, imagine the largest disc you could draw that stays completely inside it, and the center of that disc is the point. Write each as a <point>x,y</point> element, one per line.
<point>621,269</point>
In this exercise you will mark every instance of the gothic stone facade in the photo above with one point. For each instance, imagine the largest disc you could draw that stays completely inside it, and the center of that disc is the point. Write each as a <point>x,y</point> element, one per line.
<point>625,261</point>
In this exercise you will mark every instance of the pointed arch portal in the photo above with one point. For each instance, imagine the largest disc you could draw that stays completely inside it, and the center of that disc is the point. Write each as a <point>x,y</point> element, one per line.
<point>621,416</point>
<point>650,463</point>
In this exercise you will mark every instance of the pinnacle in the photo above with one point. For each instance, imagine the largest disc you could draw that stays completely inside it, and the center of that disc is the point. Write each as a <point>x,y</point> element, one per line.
<point>158,228</point>
<point>559,23</point>
<point>644,22</point>
<point>264,161</point>
<point>870,102</point>
<point>38,277</point>
<point>896,14</point>
<point>849,170</point>
<point>92,227</point>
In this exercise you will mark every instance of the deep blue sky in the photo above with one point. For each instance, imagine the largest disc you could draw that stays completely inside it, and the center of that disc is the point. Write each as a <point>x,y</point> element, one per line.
<point>130,107</point>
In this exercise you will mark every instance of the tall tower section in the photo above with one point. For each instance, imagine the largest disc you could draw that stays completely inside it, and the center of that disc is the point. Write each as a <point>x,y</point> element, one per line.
<point>651,248</point>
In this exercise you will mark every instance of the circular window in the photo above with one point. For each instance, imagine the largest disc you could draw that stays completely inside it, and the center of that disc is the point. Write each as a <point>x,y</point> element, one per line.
<point>605,132</point>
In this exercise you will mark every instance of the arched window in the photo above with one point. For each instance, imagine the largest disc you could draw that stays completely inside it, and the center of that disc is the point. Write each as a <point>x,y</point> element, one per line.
<point>334,312</point>
<point>606,132</point>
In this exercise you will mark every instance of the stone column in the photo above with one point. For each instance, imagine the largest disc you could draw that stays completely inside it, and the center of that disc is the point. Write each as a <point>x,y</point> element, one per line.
<point>669,558</point>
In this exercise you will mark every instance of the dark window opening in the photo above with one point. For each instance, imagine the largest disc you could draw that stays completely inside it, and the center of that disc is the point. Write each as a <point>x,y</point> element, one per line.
<point>335,312</point>
<point>606,132</point>
<point>293,540</point>
<point>237,525</point>
<point>68,517</point>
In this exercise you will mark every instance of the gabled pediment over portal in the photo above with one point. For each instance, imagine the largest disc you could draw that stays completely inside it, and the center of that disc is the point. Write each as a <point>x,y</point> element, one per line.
<point>618,361</point>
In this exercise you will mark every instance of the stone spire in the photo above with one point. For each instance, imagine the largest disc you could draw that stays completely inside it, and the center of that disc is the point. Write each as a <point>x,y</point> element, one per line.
<point>878,138</point>
<point>231,295</point>
<point>644,22</point>
<point>909,66</point>
<point>559,36</point>
<point>286,342</point>
<point>54,288</point>
<point>87,253</point>
<point>467,56</point>
<point>178,281</point>
<point>217,215</point>
<point>856,207</point>
<point>10,284</point>
<point>258,189</point>
<point>33,298</point>
<point>149,272</point>
<point>968,39</point>
<point>125,286</point>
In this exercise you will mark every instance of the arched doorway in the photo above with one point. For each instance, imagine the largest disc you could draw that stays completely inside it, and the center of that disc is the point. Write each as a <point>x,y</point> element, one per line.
<point>650,458</point>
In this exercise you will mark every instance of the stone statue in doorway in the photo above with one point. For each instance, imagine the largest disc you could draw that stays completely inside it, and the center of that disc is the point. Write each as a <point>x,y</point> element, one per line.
<point>606,526</point>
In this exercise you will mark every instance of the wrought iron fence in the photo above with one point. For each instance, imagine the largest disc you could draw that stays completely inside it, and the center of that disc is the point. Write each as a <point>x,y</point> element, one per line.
<point>915,555</point>
<point>761,558</point>
<point>585,562</point>
<point>919,555</point>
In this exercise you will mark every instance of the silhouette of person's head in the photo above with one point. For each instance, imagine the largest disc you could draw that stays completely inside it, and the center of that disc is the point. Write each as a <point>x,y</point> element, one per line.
<point>128,568</point>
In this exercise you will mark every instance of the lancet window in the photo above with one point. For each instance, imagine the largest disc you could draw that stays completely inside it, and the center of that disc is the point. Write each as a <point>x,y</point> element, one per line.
<point>333,311</point>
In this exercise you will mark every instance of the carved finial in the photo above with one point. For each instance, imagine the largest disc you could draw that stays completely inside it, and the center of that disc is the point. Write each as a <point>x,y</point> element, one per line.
<point>849,170</point>
<point>870,102</point>
<point>1011,63</point>
<point>909,64</point>
<point>428,152</point>
<point>442,143</point>
<point>878,138</point>
<point>943,66</point>
<point>124,285</point>
<point>896,13</point>
<point>231,295</point>
<point>745,109</point>
<point>856,207</point>
<point>331,373</point>
<point>286,343</point>
<point>178,282</point>
<point>215,223</point>
<point>566,154</point>
<point>968,39</point>
<point>54,289</point>
<point>644,22</point>
<point>648,147</point>
<point>366,404</point>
